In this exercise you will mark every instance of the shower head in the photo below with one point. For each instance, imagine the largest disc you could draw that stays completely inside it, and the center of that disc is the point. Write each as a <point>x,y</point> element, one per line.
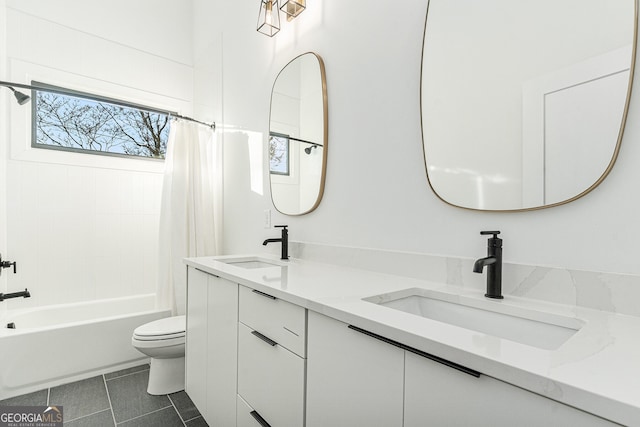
<point>20,97</point>
<point>308,149</point>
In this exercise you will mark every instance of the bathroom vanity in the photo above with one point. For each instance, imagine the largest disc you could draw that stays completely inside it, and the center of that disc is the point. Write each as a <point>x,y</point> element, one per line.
<point>300,343</point>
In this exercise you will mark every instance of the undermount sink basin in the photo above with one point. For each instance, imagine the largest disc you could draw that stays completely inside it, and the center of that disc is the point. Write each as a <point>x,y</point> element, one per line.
<point>538,329</point>
<point>251,262</point>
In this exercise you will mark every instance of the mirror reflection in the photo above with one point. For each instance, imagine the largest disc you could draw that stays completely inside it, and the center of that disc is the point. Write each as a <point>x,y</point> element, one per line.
<point>298,135</point>
<point>523,102</point>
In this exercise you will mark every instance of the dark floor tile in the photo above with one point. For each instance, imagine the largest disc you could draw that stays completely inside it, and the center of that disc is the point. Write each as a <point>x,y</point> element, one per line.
<point>116,374</point>
<point>184,405</point>
<point>80,398</point>
<point>197,422</point>
<point>167,417</point>
<point>101,419</point>
<point>37,398</point>
<point>129,397</point>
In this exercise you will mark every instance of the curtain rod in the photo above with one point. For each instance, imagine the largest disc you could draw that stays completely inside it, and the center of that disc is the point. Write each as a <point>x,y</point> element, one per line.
<point>295,139</point>
<point>178,116</point>
<point>62,91</point>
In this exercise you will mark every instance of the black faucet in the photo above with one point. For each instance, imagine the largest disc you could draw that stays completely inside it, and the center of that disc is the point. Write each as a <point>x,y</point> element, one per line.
<point>493,262</point>
<point>284,239</point>
<point>24,294</point>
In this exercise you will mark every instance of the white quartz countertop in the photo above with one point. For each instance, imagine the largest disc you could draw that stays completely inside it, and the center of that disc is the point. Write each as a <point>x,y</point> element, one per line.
<point>596,370</point>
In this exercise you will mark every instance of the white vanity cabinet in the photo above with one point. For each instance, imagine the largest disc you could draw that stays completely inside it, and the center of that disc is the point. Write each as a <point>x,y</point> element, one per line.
<point>355,377</point>
<point>271,361</point>
<point>440,395</point>
<point>211,346</point>
<point>352,379</point>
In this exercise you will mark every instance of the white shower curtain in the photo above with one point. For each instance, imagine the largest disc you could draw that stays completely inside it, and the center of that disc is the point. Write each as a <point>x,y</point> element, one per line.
<point>190,214</point>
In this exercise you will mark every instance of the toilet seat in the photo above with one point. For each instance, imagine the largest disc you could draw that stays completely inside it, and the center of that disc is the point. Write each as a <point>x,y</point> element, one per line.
<point>158,337</point>
<point>157,343</point>
<point>170,330</point>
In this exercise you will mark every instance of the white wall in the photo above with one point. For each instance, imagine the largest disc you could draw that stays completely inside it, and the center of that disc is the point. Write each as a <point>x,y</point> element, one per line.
<point>3,137</point>
<point>376,192</point>
<point>83,227</point>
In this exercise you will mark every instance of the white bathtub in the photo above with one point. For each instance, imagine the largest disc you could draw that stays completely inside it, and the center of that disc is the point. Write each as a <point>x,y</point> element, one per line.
<point>56,344</point>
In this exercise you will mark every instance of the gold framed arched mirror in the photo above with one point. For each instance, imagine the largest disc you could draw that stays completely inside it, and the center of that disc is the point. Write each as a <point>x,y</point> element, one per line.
<point>523,102</point>
<point>298,130</point>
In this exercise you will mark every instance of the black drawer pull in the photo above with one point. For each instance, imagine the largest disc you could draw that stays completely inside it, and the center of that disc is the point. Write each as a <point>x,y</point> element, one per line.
<point>263,338</point>
<point>255,291</point>
<point>418,352</point>
<point>259,419</point>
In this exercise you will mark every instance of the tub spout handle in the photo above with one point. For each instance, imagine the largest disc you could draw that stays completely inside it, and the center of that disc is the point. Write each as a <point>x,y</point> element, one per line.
<point>7,264</point>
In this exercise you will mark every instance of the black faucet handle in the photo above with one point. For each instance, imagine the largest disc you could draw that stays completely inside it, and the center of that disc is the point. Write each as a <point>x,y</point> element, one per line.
<point>494,241</point>
<point>7,264</point>
<point>280,226</point>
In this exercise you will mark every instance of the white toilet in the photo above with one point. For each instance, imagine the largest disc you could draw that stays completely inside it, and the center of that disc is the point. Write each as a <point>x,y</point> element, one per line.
<point>163,341</point>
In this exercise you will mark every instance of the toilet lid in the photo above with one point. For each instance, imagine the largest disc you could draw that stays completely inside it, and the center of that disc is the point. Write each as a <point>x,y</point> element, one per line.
<point>168,326</point>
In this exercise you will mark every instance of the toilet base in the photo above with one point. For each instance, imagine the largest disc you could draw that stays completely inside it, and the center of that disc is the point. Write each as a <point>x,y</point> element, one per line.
<point>166,376</point>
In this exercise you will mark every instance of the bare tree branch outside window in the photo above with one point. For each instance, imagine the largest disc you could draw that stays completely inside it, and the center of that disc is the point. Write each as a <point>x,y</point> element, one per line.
<point>278,154</point>
<point>84,124</point>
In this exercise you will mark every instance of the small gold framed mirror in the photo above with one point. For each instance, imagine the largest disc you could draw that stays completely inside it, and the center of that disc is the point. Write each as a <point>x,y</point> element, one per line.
<point>297,143</point>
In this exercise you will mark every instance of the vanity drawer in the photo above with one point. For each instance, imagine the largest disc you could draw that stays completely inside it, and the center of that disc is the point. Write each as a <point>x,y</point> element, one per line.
<point>270,379</point>
<point>283,322</point>
<point>246,416</point>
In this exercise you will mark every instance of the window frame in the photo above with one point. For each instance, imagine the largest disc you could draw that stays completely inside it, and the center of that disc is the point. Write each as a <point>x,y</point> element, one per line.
<point>44,87</point>
<point>283,138</point>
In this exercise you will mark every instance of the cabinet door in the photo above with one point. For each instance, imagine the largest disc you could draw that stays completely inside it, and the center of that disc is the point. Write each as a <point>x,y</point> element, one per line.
<point>211,349</point>
<point>196,340</point>
<point>352,379</point>
<point>438,395</point>
<point>222,351</point>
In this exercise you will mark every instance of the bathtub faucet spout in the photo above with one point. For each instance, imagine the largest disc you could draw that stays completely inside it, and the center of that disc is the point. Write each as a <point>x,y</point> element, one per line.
<point>24,294</point>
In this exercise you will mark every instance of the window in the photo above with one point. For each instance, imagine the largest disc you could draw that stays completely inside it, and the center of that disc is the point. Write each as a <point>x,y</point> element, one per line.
<point>73,121</point>
<point>278,154</point>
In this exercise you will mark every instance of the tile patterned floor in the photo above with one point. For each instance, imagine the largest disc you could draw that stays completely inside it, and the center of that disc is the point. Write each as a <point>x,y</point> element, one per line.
<point>115,399</point>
